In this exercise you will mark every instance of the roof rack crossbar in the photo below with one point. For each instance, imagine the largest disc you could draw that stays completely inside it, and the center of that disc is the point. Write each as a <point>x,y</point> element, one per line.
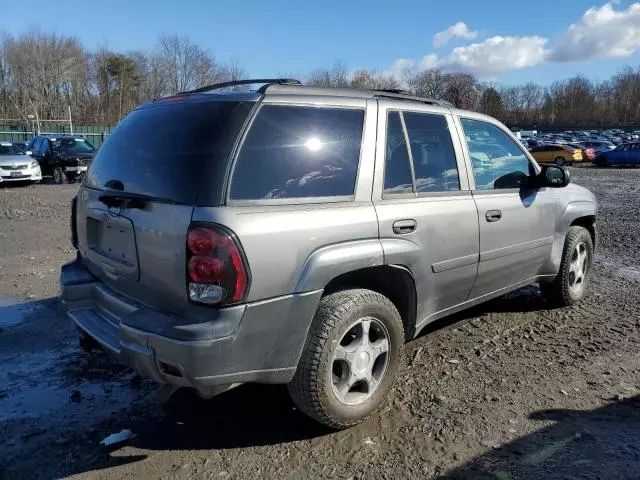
<point>217,86</point>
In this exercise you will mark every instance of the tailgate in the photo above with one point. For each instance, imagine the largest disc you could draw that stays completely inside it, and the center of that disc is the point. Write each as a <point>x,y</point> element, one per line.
<point>138,252</point>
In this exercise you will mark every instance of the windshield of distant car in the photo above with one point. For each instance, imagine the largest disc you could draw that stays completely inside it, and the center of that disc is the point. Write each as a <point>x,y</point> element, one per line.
<point>75,144</point>
<point>9,149</point>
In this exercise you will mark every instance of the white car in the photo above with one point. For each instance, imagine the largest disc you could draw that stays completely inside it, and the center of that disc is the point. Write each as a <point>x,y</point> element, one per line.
<point>17,166</point>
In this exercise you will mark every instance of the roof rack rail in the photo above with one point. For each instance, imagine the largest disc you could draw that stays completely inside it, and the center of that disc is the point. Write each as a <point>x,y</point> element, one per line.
<point>217,86</point>
<point>394,90</point>
<point>404,95</point>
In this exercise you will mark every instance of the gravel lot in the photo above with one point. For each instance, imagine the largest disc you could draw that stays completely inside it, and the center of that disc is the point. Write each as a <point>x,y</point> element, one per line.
<point>508,390</point>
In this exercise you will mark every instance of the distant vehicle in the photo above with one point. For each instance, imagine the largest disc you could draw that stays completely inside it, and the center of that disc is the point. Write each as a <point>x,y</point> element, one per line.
<point>17,166</point>
<point>626,154</point>
<point>529,143</point>
<point>65,158</point>
<point>588,153</point>
<point>558,154</point>
<point>599,146</point>
<point>522,134</point>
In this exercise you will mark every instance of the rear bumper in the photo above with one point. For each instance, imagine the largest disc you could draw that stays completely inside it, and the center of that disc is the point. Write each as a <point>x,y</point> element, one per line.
<point>257,342</point>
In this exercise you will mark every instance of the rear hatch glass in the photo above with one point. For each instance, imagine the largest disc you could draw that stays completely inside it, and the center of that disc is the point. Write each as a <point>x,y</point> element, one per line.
<point>167,153</point>
<point>168,150</point>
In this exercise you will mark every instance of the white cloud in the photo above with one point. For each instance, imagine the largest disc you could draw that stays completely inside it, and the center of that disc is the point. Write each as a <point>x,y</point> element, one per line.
<point>496,55</point>
<point>601,33</point>
<point>402,65</point>
<point>458,30</point>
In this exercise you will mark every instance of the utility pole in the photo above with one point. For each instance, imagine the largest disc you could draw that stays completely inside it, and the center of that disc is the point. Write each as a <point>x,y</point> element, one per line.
<point>70,122</point>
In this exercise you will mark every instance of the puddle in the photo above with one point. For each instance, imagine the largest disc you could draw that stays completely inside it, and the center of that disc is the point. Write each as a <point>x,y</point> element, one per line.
<point>36,384</point>
<point>12,312</point>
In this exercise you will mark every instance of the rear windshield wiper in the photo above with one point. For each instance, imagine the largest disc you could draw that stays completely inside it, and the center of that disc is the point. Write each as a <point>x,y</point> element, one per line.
<point>116,198</point>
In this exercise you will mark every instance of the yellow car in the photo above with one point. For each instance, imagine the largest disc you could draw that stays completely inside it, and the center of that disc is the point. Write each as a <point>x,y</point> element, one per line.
<point>557,153</point>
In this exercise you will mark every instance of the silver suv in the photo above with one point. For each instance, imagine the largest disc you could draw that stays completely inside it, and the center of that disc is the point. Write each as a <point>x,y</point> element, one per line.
<point>301,235</point>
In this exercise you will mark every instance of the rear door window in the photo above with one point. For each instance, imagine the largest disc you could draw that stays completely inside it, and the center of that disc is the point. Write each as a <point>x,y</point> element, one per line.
<point>434,160</point>
<point>397,171</point>
<point>299,152</point>
<point>177,151</point>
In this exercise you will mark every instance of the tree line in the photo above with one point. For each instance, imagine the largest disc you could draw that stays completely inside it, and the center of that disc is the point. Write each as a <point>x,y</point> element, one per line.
<point>42,75</point>
<point>577,101</point>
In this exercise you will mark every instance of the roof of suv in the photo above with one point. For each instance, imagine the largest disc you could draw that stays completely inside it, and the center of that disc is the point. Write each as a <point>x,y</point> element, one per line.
<point>294,87</point>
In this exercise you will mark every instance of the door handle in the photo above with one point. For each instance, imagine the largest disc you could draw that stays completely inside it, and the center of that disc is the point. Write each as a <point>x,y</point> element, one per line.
<point>402,227</point>
<point>493,215</point>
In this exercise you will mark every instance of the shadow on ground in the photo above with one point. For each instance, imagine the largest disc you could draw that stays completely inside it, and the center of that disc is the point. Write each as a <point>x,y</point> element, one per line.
<point>601,443</point>
<point>525,299</point>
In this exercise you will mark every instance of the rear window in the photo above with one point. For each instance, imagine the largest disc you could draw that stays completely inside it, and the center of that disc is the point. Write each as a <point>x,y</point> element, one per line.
<point>172,151</point>
<point>299,152</point>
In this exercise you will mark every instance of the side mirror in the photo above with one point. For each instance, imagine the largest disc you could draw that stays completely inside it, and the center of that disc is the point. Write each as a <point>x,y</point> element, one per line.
<point>553,176</point>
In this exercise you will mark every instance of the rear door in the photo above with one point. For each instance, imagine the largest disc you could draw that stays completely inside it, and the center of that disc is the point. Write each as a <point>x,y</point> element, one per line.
<point>422,198</point>
<point>619,155</point>
<point>516,222</point>
<point>170,155</point>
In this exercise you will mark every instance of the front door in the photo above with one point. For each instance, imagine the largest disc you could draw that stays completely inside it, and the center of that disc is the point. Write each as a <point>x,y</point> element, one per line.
<point>428,220</point>
<point>516,222</point>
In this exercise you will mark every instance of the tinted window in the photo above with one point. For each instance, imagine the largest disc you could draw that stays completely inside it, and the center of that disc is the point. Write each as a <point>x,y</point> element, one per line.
<point>434,161</point>
<point>498,162</point>
<point>298,152</point>
<point>397,172</point>
<point>172,150</point>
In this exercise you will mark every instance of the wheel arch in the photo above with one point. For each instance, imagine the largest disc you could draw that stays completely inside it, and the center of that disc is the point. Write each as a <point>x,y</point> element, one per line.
<point>581,213</point>
<point>588,222</point>
<point>393,281</point>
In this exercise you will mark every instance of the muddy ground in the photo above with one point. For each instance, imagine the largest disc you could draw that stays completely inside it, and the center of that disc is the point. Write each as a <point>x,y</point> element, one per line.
<point>511,389</point>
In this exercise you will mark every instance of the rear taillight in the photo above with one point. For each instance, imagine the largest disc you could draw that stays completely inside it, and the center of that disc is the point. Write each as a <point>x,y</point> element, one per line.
<point>216,270</point>
<point>74,222</point>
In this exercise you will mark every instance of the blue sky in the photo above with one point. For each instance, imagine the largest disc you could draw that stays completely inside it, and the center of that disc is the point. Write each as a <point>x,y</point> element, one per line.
<point>504,40</point>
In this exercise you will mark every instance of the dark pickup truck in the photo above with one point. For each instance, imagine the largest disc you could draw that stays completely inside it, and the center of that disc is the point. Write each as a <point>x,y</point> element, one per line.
<point>63,157</point>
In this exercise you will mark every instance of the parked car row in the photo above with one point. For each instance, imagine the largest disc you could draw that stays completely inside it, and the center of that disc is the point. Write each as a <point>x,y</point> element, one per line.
<point>65,158</point>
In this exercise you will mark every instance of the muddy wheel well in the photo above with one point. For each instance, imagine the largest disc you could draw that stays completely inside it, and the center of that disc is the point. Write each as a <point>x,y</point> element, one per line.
<point>588,222</point>
<point>394,282</point>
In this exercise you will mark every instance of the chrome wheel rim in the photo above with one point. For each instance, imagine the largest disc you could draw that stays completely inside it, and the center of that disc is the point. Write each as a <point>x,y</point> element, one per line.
<point>360,361</point>
<point>578,267</point>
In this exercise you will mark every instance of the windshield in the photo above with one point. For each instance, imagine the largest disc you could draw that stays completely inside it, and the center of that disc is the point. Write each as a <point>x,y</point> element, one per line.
<point>9,149</point>
<point>72,144</point>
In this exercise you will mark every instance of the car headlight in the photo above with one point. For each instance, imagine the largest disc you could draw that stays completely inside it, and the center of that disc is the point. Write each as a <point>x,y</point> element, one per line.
<point>34,164</point>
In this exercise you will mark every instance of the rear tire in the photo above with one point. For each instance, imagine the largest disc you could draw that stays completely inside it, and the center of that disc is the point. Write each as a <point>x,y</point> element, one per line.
<point>570,284</point>
<point>59,176</point>
<point>559,161</point>
<point>350,359</point>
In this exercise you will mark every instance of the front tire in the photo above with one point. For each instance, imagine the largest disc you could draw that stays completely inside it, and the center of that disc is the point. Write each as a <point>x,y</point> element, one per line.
<point>577,257</point>
<point>351,358</point>
<point>59,176</point>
